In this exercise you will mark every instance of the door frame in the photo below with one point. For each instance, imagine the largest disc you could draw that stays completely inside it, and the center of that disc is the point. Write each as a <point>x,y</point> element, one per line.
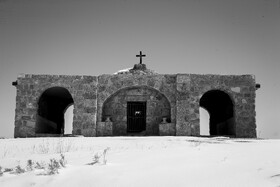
<point>136,116</point>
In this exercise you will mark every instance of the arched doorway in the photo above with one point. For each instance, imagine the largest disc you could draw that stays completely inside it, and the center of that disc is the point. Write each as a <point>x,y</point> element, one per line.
<point>136,111</point>
<point>221,110</point>
<point>52,106</point>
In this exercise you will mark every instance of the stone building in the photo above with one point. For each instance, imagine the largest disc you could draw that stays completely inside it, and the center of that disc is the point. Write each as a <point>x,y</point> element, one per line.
<point>135,102</point>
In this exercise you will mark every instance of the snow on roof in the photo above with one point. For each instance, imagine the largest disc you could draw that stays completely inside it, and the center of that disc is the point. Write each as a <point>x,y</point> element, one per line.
<point>122,71</point>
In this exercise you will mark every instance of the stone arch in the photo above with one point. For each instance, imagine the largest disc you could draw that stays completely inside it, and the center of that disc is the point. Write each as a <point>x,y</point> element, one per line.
<point>220,107</point>
<point>157,108</point>
<point>52,105</point>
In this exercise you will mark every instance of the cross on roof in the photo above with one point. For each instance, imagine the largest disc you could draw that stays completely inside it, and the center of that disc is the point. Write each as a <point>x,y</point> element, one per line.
<point>140,56</point>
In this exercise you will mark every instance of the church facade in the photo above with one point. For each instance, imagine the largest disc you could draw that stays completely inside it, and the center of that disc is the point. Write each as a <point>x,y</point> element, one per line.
<point>135,102</point>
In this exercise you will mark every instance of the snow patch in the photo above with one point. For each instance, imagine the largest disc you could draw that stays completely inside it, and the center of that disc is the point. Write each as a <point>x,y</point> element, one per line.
<point>122,71</point>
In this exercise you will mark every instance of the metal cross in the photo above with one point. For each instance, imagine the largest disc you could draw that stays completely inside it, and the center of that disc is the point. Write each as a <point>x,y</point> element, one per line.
<point>140,56</point>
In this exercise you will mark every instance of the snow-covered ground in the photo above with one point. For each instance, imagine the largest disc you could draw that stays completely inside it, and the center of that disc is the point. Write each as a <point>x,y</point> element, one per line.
<point>144,161</point>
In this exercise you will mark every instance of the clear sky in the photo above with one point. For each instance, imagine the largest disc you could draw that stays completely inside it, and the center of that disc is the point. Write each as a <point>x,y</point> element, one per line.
<point>91,37</point>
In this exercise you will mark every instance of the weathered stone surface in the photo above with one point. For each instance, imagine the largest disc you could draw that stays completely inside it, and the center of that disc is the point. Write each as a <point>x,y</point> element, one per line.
<point>167,129</point>
<point>104,128</point>
<point>175,97</point>
<point>158,107</point>
<point>183,78</point>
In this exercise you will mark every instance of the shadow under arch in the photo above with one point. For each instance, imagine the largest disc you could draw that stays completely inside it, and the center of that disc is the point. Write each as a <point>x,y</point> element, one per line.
<point>52,105</point>
<point>115,107</point>
<point>221,110</point>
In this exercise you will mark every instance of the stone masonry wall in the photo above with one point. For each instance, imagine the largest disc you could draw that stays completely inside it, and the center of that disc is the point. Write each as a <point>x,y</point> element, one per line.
<point>30,88</point>
<point>110,84</point>
<point>183,91</point>
<point>191,88</point>
<point>115,107</point>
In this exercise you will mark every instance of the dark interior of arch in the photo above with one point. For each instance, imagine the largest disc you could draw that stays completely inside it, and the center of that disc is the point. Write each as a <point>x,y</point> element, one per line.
<point>51,108</point>
<point>220,108</point>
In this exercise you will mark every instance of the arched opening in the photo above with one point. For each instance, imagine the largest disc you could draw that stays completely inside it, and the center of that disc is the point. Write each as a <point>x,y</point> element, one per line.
<point>221,110</point>
<point>204,122</point>
<point>136,110</point>
<point>52,106</point>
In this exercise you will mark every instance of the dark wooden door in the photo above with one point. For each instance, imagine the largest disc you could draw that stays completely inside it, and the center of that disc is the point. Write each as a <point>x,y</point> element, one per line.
<point>136,116</point>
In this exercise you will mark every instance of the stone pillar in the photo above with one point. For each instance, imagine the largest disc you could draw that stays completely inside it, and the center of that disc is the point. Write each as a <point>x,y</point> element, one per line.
<point>104,128</point>
<point>245,113</point>
<point>85,110</point>
<point>193,117</point>
<point>183,127</point>
<point>25,113</point>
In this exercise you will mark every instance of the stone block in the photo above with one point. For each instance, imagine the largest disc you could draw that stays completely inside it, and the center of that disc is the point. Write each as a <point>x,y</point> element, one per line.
<point>183,78</point>
<point>167,129</point>
<point>195,127</point>
<point>30,124</point>
<point>184,87</point>
<point>26,117</point>
<point>103,79</point>
<point>104,128</point>
<point>182,128</point>
<point>236,89</point>
<point>170,79</point>
<point>89,95</point>
<point>182,96</point>
<point>90,110</point>
<point>26,131</point>
<point>119,128</point>
<point>151,82</point>
<point>89,132</point>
